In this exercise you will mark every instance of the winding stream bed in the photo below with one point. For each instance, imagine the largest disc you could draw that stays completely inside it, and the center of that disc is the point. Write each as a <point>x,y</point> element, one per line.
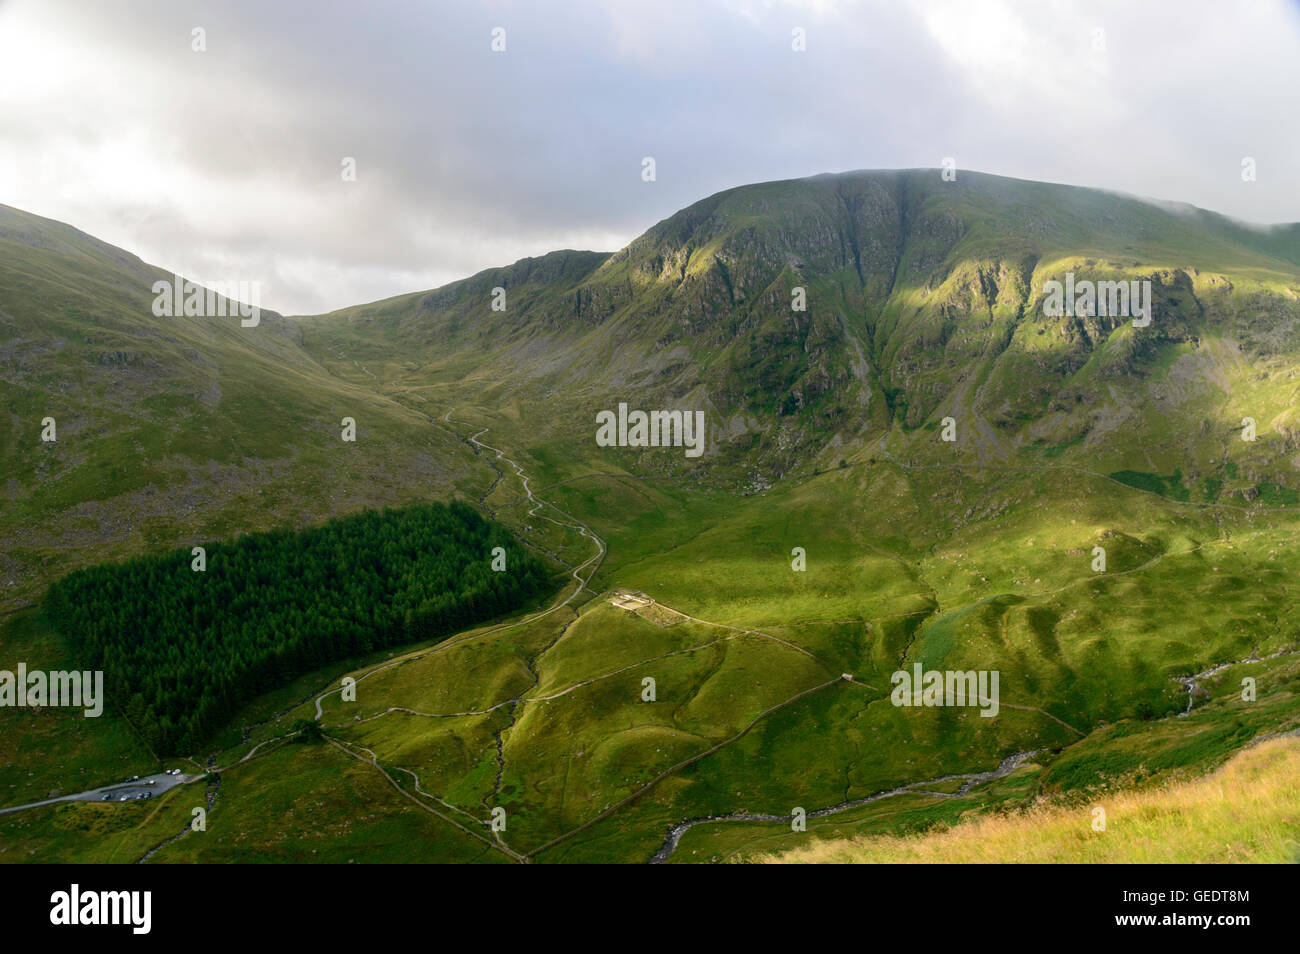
<point>969,780</point>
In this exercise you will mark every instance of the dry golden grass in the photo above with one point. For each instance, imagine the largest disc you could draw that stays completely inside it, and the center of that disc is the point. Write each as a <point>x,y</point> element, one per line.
<point>1246,811</point>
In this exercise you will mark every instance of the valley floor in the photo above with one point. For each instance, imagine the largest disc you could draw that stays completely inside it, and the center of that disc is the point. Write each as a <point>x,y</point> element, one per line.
<point>686,691</point>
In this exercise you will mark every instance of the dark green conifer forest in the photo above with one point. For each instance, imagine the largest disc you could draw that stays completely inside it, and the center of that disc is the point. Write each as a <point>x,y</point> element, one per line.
<point>182,649</point>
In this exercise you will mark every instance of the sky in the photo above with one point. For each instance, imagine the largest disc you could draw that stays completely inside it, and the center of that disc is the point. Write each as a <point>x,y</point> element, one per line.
<point>227,163</point>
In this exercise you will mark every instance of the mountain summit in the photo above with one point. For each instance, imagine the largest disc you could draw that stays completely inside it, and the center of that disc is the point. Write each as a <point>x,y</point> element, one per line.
<point>853,317</point>
<point>814,318</point>
<point>793,441</point>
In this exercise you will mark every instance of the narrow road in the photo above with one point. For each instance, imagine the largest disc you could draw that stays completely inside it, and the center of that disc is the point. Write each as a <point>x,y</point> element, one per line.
<point>150,785</point>
<point>590,565</point>
<point>737,629</point>
<point>685,763</point>
<point>373,762</point>
<point>582,575</point>
<point>539,504</point>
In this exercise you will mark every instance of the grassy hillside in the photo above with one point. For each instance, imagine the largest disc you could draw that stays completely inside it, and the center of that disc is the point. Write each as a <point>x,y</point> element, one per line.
<point>924,302</point>
<point>172,430</point>
<point>1243,812</point>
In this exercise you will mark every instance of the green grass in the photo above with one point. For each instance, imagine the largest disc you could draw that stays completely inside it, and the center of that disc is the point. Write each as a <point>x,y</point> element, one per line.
<point>1242,813</point>
<point>971,555</point>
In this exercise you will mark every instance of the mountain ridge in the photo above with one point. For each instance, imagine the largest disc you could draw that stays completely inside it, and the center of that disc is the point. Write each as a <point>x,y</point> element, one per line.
<point>924,302</point>
<point>915,288</point>
<point>1286,234</point>
<point>829,529</point>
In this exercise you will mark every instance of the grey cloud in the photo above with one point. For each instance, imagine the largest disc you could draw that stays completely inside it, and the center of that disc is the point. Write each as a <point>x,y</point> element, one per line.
<point>466,159</point>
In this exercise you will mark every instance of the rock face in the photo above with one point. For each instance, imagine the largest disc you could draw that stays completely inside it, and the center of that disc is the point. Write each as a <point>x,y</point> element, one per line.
<point>921,300</point>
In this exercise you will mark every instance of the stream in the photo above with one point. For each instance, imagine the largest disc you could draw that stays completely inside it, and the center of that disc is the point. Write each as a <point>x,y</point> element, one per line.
<point>970,780</point>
